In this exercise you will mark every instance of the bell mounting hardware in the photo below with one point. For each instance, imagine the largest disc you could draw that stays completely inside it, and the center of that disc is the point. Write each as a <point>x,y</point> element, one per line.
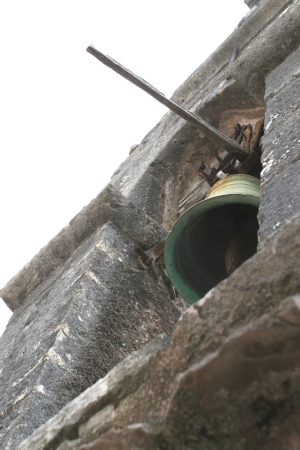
<point>251,166</point>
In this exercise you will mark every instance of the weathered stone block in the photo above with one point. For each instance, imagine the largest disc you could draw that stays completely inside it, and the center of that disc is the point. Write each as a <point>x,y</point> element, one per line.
<point>253,3</point>
<point>120,382</point>
<point>280,201</point>
<point>268,49</point>
<point>51,262</point>
<point>243,396</point>
<point>281,148</point>
<point>283,75</point>
<point>252,25</point>
<point>97,305</point>
<point>221,353</point>
<point>74,331</point>
<point>281,107</point>
<point>280,175</point>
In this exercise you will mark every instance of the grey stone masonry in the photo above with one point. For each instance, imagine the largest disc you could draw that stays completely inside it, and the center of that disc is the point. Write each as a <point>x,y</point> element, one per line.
<point>228,379</point>
<point>281,149</point>
<point>253,3</point>
<point>269,48</point>
<point>85,302</point>
<point>97,309</point>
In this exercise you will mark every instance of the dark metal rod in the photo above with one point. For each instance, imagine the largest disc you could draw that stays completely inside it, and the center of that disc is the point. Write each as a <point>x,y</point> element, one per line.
<point>211,132</point>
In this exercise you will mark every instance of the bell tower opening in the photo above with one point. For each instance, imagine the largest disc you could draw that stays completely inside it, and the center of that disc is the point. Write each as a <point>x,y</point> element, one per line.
<point>215,235</point>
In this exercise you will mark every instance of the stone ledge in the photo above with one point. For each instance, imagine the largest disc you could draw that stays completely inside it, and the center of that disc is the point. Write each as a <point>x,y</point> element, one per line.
<point>283,75</point>
<point>268,50</point>
<point>108,206</point>
<point>252,24</point>
<point>253,3</point>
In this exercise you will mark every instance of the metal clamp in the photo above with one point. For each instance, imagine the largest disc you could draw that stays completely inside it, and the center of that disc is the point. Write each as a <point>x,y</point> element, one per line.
<point>210,174</point>
<point>167,281</point>
<point>149,258</point>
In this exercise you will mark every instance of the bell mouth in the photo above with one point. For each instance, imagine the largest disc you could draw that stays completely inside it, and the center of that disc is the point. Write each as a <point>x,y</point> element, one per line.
<point>196,246</point>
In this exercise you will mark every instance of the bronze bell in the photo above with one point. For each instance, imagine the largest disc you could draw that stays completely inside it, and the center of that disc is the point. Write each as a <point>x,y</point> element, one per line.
<point>213,237</point>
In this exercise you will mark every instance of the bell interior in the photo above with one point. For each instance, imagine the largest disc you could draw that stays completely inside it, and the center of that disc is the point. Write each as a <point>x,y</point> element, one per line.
<point>203,243</point>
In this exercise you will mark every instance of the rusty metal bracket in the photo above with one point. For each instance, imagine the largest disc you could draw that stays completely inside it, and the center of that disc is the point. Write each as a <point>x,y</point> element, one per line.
<point>227,164</point>
<point>167,281</point>
<point>150,256</point>
<point>247,136</point>
<point>147,261</point>
<point>252,164</point>
<point>210,174</point>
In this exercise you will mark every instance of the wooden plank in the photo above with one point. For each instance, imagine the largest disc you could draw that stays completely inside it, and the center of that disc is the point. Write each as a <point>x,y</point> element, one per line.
<point>195,194</point>
<point>212,133</point>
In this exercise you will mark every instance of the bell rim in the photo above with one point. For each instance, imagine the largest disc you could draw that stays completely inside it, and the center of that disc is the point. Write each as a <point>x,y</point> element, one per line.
<point>189,216</point>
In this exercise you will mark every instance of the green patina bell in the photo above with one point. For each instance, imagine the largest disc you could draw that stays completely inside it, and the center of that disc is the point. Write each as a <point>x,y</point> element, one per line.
<point>212,238</point>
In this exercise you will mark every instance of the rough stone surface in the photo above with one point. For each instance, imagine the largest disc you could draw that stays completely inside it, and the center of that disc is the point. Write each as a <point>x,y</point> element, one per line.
<point>233,370</point>
<point>281,156</point>
<point>281,146</point>
<point>86,287</point>
<point>103,307</point>
<point>283,75</point>
<point>277,209</point>
<point>268,49</point>
<point>243,396</point>
<point>282,106</point>
<point>228,377</point>
<point>57,251</point>
<point>252,25</point>
<point>123,380</point>
<point>253,3</point>
<point>48,264</point>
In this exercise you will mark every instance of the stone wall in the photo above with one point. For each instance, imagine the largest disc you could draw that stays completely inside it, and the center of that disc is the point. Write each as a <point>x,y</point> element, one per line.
<point>281,150</point>
<point>85,302</point>
<point>98,308</point>
<point>228,378</point>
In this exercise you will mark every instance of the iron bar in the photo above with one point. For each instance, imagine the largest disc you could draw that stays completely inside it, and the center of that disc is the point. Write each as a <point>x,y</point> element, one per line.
<point>211,132</point>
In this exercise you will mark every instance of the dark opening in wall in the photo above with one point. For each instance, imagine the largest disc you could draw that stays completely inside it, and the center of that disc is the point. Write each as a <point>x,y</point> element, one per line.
<point>214,236</point>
